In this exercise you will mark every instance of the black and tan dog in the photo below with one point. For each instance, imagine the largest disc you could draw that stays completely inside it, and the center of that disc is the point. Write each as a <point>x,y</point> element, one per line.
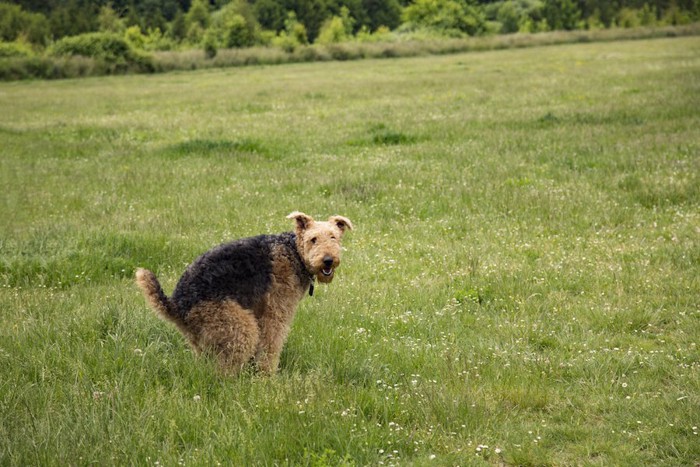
<point>237,301</point>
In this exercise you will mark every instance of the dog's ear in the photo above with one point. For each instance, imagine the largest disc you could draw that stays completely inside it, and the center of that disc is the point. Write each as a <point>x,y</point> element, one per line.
<point>343,223</point>
<point>304,221</point>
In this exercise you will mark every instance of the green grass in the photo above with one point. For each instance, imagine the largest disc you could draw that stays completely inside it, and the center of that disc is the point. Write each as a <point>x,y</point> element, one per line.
<point>524,274</point>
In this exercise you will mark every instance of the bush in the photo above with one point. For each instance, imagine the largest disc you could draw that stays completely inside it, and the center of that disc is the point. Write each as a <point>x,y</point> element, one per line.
<point>509,17</point>
<point>448,17</point>
<point>238,32</point>
<point>628,18</point>
<point>382,34</point>
<point>14,49</point>
<point>103,46</point>
<point>153,40</point>
<point>293,35</point>
<point>233,26</point>
<point>135,37</point>
<point>675,16</point>
<point>286,42</point>
<point>210,44</point>
<point>107,48</point>
<point>332,32</point>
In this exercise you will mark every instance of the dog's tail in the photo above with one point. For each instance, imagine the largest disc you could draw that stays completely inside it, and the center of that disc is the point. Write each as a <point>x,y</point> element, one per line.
<point>156,298</point>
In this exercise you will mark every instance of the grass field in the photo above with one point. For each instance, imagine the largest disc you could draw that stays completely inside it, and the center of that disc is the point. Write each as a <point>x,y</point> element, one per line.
<point>522,287</point>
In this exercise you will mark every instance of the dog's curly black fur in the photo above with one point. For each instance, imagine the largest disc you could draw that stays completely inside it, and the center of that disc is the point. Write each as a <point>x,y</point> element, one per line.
<point>240,270</point>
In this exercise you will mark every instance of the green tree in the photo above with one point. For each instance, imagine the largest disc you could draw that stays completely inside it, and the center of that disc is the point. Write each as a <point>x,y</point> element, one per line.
<point>311,13</point>
<point>562,14</point>
<point>151,13</point>
<point>296,29</point>
<point>382,13</point>
<point>517,15</point>
<point>647,15</point>
<point>234,25</point>
<point>198,14</point>
<point>270,14</point>
<point>674,15</point>
<point>109,21</point>
<point>197,21</point>
<point>446,16</point>
<point>293,35</point>
<point>509,17</point>
<point>72,18</point>
<point>332,32</point>
<point>15,23</point>
<point>177,29</point>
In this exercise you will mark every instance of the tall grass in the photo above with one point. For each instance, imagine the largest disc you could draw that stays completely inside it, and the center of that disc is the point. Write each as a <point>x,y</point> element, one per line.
<point>521,287</point>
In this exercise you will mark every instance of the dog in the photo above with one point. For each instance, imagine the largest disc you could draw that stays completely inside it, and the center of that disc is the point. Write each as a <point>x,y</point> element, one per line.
<point>237,301</point>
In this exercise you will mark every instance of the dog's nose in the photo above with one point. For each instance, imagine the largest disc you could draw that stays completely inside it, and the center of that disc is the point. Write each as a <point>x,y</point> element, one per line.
<point>328,261</point>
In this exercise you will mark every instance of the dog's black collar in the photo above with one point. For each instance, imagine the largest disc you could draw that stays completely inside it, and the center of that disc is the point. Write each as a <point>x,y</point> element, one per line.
<point>303,265</point>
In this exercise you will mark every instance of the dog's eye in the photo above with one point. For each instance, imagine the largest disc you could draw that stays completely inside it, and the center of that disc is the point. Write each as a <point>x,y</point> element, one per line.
<point>313,240</point>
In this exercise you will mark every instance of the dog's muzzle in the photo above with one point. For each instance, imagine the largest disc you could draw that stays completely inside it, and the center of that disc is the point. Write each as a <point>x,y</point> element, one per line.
<point>327,269</point>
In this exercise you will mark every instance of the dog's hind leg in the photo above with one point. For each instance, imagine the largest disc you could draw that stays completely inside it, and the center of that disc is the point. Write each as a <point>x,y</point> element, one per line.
<point>227,331</point>
<point>273,334</point>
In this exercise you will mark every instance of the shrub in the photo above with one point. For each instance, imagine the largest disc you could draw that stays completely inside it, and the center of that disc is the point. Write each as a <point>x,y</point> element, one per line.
<point>14,49</point>
<point>285,42</point>
<point>382,34</point>
<point>675,16</point>
<point>239,33</point>
<point>210,44</point>
<point>195,33</point>
<point>293,35</point>
<point>647,15</point>
<point>153,40</point>
<point>45,68</point>
<point>233,26</point>
<point>561,14</point>
<point>509,17</point>
<point>104,46</point>
<point>344,51</point>
<point>332,32</point>
<point>110,49</point>
<point>296,29</point>
<point>135,37</point>
<point>594,22</point>
<point>628,18</point>
<point>445,16</point>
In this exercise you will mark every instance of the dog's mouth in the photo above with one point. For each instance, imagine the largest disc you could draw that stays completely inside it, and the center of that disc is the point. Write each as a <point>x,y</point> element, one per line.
<point>325,274</point>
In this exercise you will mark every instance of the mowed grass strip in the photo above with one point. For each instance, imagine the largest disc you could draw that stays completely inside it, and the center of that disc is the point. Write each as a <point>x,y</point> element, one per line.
<point>522,287</point>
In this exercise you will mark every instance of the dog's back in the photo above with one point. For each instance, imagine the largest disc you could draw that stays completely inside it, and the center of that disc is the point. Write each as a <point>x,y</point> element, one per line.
<point>240,270</point>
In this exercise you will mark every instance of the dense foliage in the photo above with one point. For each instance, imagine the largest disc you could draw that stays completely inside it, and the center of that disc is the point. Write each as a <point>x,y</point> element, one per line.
<point>168,24</point>
<point>109,48</point>
<point>64,38</point>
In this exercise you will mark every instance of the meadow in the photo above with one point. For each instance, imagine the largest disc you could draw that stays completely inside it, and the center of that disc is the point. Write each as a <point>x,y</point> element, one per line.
<point>522,286</point>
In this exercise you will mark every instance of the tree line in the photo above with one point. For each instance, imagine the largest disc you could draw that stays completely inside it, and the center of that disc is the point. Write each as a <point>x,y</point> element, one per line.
<point>172,24</point>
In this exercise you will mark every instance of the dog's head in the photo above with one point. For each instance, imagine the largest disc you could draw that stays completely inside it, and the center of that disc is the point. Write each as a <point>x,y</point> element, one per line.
<point>318,243</point>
